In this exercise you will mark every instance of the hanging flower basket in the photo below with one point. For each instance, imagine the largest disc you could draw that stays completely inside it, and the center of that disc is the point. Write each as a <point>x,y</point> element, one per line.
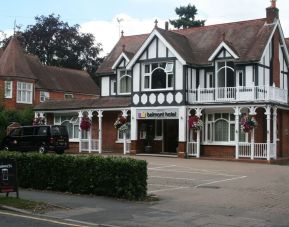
<point>120,121</point>
<point>248,123</point>
<point>38,121</point>
<point>195,123</point>
<point>85,124</point>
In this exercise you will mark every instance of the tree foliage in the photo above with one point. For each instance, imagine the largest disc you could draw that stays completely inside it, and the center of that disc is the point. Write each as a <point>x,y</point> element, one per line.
<point>186,18</point>
<point>56,43</point>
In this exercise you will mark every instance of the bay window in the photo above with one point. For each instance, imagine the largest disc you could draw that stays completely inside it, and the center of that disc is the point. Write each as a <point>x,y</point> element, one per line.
<point>158,76</point>
<point>24,92</point>
<point>220,128</point>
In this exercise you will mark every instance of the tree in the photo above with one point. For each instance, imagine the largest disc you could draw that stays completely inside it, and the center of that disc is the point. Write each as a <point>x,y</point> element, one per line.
<point>58,44</point>
<point>187,17</point>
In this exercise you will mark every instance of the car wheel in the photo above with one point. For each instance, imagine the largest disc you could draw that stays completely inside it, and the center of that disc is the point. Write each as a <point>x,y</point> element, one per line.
<point>41,150</point>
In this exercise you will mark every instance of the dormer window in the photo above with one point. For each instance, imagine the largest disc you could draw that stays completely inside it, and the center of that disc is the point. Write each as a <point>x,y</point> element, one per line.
<point>158,76</point>
<point>124,82</point>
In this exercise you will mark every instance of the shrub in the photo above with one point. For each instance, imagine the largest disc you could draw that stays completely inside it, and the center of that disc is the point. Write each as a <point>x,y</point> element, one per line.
<point>111,176</point>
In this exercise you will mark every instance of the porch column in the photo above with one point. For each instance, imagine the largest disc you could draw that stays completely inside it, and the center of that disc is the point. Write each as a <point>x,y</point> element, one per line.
<point>252,113</point>
<point>268,117</point>
<point>198,114</point>
<point>124,114</point>
<point>133,131</point>
<point>237,119</point>
<point>182,132</point>
<point>80,132</point>
<point>90,131</point>
<point>275,131</point>
<point>99,112</point>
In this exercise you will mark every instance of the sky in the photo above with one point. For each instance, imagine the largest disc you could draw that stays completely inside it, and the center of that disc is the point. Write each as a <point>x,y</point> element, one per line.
<point>106,18</point>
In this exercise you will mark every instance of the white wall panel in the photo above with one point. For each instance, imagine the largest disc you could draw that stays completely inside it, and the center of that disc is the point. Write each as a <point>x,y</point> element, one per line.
<point>152,49</point>
<point>162,50</point>
<point>136,77</point>
<point>179,75</point>
<point>105,86</point>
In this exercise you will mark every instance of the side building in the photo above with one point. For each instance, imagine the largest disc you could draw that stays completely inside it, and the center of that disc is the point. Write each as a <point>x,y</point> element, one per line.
<point>224,76</point>
<point>25,82</point>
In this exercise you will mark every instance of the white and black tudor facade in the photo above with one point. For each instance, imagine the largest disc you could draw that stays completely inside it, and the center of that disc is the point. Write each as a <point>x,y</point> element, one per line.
<point>219,91</point>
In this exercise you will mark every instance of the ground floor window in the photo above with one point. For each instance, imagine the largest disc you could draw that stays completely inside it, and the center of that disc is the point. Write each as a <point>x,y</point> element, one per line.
<point>120,135</point>
<point>220,127</point>
<point>72,124</point>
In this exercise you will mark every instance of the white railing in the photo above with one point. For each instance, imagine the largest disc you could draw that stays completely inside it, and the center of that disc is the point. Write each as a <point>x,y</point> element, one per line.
<point>259,150</point>
<point>192,148</point>
<point>233,94</point>
<point>84,144</point>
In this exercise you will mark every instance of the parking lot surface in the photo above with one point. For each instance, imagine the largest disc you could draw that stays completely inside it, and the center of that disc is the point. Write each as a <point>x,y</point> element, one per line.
<point>191,193</point>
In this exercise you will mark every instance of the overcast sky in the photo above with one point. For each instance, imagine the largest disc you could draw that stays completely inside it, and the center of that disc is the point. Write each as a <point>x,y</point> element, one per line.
<point>135,16</point>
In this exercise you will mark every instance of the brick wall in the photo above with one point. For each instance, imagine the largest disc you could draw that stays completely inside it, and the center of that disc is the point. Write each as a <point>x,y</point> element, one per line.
<point>218,151</point>
<point>283,133</point>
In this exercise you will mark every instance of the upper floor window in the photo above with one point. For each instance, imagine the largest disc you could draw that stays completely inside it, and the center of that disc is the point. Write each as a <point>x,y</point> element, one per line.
<point>113,87</point>
<point>44,95</point>
<point>158,75</point>
<point>225,74</point>
<point>124,82</point>
<point>8,89</point>
<point>24,92</point>
<point>68,96</point>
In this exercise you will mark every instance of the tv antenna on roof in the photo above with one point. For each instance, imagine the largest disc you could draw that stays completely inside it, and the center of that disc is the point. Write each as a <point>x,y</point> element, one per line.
<point>119,20</point>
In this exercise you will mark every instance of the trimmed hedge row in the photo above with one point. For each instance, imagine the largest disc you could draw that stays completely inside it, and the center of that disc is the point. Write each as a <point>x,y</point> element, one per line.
<point>111,176</point>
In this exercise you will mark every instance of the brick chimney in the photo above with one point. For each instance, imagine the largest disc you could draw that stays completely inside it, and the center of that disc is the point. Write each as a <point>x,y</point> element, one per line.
<point>166,25</point>
<point>272,12</point>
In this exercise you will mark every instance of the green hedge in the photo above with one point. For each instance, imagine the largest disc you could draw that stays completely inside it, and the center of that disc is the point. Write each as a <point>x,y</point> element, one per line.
<point>111,176</point>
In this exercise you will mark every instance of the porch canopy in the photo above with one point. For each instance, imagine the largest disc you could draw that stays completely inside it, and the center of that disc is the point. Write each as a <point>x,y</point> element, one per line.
<point>89,106</point>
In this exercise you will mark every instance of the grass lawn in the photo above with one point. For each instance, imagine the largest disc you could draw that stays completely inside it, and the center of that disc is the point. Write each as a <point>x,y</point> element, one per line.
<point>37,207</point>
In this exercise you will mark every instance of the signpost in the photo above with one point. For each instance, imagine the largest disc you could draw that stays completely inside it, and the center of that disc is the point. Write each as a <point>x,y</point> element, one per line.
<point>8,176</point>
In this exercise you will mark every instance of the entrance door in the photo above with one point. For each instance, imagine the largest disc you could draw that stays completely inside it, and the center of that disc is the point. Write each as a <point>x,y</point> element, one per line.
<point>171,136</point>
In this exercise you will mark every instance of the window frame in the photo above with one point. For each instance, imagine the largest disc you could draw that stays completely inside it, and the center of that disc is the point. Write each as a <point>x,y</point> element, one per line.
<point>128,135</point>
<point>68,96</point>
<point>71,119</point>
<point>113,87</point>
<point>24,93</point>
<point>210,139</point>
<point>45,95</point>
<point>10,89</point>
<point>168,70</point>
<point>120,77</point>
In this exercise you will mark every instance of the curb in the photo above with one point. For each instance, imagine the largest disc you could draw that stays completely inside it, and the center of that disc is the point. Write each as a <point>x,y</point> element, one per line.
<point>3,207</point>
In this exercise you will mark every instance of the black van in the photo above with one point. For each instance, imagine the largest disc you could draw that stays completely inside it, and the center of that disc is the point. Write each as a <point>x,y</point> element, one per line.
<point>41,138</point>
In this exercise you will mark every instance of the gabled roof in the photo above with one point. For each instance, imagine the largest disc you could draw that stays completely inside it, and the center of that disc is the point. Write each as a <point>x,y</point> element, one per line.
<point>13,62</point>
<point>247,39</point>
<point>96,103</point>
<point>123,55</point>
<point>131,43</point>
<point>228,47</point>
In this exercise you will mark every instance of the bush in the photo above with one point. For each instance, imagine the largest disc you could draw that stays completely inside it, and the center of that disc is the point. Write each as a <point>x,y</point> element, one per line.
<point>111,176</point>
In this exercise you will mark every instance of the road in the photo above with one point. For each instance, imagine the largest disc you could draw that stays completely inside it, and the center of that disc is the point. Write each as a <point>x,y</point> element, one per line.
<point>11,219</point>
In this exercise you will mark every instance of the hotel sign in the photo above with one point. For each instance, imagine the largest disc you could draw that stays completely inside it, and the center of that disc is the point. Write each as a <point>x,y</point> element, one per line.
<point>158,114</point>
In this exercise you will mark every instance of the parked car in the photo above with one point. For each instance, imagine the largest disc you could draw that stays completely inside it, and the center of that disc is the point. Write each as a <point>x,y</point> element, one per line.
<point>41,138</point>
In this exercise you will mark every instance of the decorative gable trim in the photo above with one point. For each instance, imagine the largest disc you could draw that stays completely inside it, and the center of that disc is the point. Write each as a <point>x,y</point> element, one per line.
<point>154,34</point>
<point>119,59</point>
<point>219,48</point>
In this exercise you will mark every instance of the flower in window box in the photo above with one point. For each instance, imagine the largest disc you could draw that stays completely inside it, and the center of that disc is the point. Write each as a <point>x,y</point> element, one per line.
<point>120,121</point>
<point>248,123</point>
<point>85,124</point>
<point>195,123</point>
